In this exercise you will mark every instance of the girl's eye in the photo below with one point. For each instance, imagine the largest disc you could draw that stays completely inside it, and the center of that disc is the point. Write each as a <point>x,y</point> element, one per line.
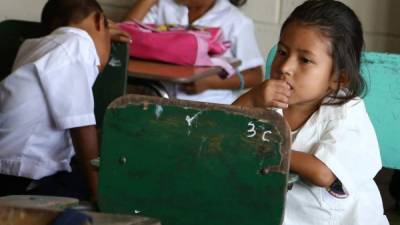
<point>305,60</point>
<point>281,52</point>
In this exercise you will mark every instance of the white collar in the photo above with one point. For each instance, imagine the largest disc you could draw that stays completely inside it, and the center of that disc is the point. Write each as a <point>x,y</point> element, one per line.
<point>75,30</point>
<point>81,33</point>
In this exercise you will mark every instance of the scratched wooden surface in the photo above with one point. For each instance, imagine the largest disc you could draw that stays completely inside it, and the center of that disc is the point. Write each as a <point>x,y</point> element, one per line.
<point>11,215</point>
<point>193,163</point>
<point>36,201</point>
<point>382,73</point>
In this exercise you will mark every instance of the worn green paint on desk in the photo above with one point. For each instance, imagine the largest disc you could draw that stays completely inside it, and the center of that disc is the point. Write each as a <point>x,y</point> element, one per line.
<point>192,165</point>
<point>111,83</point>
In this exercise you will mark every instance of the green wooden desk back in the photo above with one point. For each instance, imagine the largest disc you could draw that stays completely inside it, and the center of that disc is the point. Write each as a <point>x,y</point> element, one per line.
<point>109,85</point>
<point>191,163</point>
<point>382,73</point>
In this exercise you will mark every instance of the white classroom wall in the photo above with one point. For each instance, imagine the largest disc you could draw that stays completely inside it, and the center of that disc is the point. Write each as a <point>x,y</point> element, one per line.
<point>380,18</point>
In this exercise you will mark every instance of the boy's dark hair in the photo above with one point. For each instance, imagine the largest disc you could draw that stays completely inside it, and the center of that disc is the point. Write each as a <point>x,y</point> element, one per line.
<point>59,13</point>
<point>238,3</point>
<point>341,25</point>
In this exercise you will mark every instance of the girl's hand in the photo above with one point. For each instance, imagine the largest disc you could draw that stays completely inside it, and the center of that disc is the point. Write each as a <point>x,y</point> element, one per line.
<point>271,93</point>
<point>117,34</point>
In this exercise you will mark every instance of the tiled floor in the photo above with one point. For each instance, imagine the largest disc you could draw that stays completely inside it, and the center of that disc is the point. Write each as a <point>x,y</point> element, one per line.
<point>383,180</point>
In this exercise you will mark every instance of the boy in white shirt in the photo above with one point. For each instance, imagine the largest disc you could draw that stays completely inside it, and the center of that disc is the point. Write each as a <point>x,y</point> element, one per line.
<point>47,106</point>
<point>236,27</point>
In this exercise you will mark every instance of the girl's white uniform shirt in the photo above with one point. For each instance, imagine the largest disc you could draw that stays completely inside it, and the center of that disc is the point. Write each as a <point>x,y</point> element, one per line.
<point>237,28</point>
<point>343,138</point>
<point>49,92</point>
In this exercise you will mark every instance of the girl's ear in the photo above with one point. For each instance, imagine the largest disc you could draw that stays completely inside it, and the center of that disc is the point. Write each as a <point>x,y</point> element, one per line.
<point>339,81</point>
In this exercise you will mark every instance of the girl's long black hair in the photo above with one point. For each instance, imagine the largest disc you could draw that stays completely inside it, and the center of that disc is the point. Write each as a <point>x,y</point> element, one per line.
<point>238,3</point>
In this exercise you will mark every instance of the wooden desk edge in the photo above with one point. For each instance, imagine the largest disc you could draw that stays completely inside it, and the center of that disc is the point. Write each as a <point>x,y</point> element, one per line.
<point>180,80</point>
<point>36,216</point>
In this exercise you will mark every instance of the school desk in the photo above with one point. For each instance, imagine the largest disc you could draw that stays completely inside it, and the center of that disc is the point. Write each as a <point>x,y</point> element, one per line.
<point>145,76</point>
<point>16,215</point>
<point>189,163</point>
<point>41,210</point>
<point>172,73</point>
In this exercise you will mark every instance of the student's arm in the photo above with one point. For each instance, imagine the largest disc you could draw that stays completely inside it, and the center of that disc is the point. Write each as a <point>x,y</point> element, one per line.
<point>86,148</point>
<point>117,34</point>
<point>140,9</point>
<point>252,77</point>
<point>311,169</point>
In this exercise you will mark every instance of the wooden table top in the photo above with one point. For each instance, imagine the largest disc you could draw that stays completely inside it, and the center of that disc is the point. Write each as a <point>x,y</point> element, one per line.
<point>170,72</point>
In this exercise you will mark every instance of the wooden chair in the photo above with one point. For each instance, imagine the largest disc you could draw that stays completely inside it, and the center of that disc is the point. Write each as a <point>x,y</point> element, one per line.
<point>12,34</point>
<point>189,163</point>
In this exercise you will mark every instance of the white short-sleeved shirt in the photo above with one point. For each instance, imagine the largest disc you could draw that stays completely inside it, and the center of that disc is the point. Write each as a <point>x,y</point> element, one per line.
<point>236,27</point>
<point>48,92</point>
<point>343,138</point>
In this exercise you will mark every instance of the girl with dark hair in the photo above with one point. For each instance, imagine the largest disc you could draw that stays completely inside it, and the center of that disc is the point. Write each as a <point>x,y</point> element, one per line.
<point>236,27</point>
<point>315,80</point>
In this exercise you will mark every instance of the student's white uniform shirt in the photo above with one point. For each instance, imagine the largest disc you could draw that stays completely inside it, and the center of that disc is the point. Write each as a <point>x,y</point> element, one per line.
<point>343,138</point>
<point>237,28</point>
<point>48,92</point>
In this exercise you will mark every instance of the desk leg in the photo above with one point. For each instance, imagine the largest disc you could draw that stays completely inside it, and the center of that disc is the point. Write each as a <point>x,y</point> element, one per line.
<point>151,88</point>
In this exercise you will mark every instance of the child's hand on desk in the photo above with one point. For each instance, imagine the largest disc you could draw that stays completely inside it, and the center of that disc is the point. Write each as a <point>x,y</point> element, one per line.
<point>198,86</point>
<point>117,34</point>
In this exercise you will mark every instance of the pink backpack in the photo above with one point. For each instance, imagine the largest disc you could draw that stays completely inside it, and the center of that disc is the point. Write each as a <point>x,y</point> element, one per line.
<point>178,45</point>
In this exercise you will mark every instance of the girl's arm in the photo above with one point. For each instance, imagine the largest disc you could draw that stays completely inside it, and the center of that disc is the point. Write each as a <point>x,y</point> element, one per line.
<point>86,148</point>
<point>140,9</point>
<point>276,93</point>
<point>252,77</point>
<point>311,169</point>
